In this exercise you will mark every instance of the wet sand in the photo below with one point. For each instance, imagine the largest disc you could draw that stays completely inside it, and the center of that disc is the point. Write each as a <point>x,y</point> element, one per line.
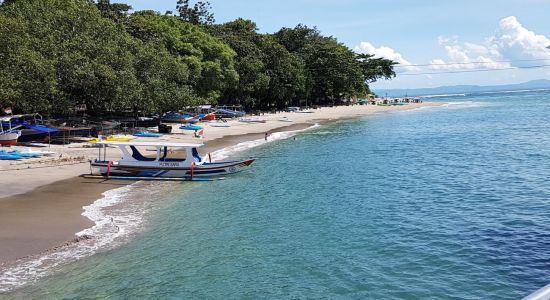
<point>46,217</point>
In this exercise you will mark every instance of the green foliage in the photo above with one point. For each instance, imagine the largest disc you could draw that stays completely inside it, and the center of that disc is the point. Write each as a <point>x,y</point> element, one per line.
<point>270,76</point>
<point>69,54</point>
<point>376,68</point>
<point>209,61</point>
<point>196,14</point>
<point>332,69</point>
<point>117,12</point>
<point>56,54</point>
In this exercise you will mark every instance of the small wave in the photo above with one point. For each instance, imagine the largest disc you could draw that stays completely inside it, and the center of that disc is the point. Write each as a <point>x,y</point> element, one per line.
<point>116,215</point>
<point>228,151</point>
<point>515,91</point>
<point>464,104</point>
<point>443,96</point>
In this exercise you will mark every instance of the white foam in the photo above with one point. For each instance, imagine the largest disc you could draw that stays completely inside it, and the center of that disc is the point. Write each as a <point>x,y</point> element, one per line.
<point>463,104</point>
<point>228,151</point>
<point>517,91</point>
<point>118,214</point>
<point>443,95</point>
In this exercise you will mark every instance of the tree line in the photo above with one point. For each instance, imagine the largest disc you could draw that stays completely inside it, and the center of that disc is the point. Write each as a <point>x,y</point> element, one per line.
<point>56,55</point>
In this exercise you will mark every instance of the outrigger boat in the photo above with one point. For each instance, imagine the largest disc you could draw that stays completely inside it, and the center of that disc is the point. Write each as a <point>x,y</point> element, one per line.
<point>9,135</point>
<point>189,165</point>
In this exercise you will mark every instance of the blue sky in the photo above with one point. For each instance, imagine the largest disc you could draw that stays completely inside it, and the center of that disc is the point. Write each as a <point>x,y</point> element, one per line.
<point>450,35</point>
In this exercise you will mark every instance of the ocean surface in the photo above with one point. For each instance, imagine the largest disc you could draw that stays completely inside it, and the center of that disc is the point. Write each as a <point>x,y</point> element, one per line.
<point>450,202</point>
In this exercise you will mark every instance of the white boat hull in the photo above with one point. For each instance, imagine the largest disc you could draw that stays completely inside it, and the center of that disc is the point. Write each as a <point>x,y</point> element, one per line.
<point>9,138</point>
<point>171,169</point>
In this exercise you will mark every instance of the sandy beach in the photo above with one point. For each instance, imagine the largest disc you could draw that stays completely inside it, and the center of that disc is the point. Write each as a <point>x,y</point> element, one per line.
<point>42,199</point>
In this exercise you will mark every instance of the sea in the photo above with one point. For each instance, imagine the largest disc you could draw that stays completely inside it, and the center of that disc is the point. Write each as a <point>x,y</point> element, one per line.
<point>447,202</point>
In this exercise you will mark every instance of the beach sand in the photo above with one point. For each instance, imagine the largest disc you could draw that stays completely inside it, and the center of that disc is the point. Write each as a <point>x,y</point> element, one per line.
<point>47,216</point>
<point>42,200</point>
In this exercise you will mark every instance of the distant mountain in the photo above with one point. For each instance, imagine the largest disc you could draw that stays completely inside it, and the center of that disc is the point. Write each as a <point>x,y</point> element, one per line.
<point>465,89</point>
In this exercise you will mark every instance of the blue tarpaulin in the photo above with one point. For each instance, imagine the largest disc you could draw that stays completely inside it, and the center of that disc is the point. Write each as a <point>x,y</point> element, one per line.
<point>40,128</point>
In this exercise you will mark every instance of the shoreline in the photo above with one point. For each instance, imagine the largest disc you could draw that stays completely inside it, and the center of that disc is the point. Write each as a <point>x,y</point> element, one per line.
<point>48,216</point>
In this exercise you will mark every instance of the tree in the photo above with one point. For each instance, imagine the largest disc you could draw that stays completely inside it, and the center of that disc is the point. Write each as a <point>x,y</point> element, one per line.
<point>332,70</point>
<point>270,76</point>
<point>56,54</point>
<point>209,61</point>
<point>376,68</point>
<point>163,80</point>
<point>198,14</point>
<point>117,12</point>
<point>69,55</point>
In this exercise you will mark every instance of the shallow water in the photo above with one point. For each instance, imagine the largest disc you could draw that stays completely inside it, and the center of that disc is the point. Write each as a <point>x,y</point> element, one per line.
<point>437,203</point>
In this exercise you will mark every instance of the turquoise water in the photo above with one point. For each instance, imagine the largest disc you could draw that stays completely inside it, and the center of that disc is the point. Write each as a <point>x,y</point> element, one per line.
<point>436,203</point>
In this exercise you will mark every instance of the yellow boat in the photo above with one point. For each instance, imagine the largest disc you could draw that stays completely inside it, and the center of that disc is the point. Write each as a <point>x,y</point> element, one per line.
<point>113,138</point>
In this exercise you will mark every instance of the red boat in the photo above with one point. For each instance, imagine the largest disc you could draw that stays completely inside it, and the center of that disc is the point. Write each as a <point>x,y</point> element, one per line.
<point>209,117</point>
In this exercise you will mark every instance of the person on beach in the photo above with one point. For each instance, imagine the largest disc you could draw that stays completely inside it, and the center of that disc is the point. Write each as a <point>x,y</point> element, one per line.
<point>266,136</point>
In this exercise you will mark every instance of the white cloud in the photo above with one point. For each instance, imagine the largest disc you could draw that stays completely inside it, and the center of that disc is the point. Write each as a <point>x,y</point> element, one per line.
<point>516,42</point>
<point>512,45</point>
<point>385,52</point>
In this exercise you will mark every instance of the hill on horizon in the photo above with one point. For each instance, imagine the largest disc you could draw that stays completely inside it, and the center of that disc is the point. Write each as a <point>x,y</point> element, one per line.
<point>464,89</point>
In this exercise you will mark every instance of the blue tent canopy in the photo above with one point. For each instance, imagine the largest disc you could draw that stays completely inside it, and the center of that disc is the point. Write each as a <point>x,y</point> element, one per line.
<point>40,128</point>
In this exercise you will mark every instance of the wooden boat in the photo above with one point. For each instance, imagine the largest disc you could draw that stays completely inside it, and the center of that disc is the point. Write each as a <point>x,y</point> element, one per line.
<point>8,156</point>
<point>209,117</point>
<point>220,125</point>
<point>252,120</point>
<point>23,154</point>
<point>191,127</point>
<point>147,134</point>
<point>9,135</point>
<point>113,138</point>
<point>189,164</point>
<point>285,119</point>
<point>174,117</point>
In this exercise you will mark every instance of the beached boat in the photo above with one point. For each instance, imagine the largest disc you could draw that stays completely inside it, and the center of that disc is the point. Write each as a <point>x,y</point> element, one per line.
<point>208,117</point>
<point>8,156</point>
<point>9,137</point>
<point>23,154</point>
<point>191,127</point>
<point>113,138</point>
<point>147,134</point>
<point>285,119</point>
<point>187,163</point>
<point>252,120</point>
<point>220,125</point>
<point>8,133</point>
<point>174,117</point>
<point>229,113</point>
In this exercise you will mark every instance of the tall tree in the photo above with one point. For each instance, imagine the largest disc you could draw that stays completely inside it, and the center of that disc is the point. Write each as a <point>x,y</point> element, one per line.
<point>270,76</point>
<point>376,68</point>
<point>62,60</point>
<point>198,14</point>
<point>209,61</point>
<point>116,11</point>
<point>332,69</point>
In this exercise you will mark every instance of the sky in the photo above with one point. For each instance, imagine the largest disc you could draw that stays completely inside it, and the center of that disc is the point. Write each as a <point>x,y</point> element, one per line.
<point>450,40</point>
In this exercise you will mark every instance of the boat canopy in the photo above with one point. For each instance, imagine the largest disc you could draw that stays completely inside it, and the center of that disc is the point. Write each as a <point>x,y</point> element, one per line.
<point>40,128</point>
<point>10,117</point>
<point>151,144</point>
